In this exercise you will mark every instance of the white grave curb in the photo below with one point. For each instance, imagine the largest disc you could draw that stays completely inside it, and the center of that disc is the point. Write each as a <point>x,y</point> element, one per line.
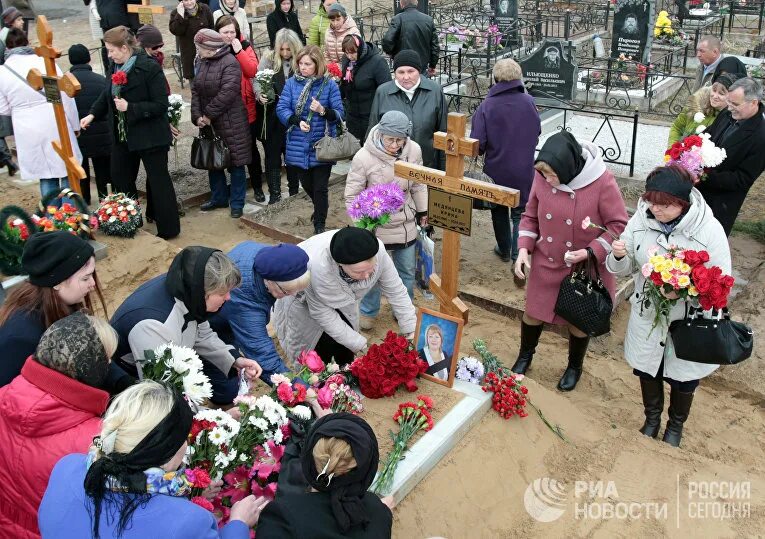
<point>434,445</point>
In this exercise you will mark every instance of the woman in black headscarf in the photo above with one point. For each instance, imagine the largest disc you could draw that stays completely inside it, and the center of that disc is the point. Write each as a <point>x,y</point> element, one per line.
<point>732,66</point>
<point>571,184</point>
<point>339,460</point>
<point>129,485</point>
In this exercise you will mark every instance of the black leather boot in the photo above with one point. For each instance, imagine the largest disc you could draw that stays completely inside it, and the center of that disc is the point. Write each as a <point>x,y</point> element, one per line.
<point>679,408</point>
<point>12,168</point>
<point>274,186</point>
<point>577,348</point>
<point>529,340</point>
<point>653,402</point>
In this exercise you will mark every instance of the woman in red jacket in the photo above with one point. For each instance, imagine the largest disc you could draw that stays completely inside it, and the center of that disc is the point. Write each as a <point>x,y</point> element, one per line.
<point>228,28</point>
<point>51,409</point>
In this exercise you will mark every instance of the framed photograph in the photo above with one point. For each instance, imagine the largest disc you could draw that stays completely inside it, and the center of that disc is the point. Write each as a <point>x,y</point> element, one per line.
<point>437,341</point>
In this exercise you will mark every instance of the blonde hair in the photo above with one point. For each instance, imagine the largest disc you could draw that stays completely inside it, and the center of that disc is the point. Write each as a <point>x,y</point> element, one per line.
<point>221,274</point>
<point>316,56</point>
<point>700,102</point>
<point>133,414</point>
<point>106,334</point>
<point>437,329</point>
<point>335,451</point>
<point>120,36</point>
<point>544,168</point>
<point>292,40</point>
<point>507,69</point>
<point>300,283</point>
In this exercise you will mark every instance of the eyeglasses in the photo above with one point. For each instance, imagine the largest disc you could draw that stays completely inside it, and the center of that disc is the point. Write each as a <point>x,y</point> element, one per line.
<point>390,141</point>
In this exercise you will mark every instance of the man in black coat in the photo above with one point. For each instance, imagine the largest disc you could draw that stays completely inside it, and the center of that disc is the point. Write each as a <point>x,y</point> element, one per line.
<point>95,143</point>
<point>283,16</point>
<point>114,13</point>
<point>413,30</point>
<point>741,131</point>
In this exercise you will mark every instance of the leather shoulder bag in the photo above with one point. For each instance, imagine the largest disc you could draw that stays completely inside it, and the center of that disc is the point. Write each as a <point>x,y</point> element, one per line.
<point>717,340</point>
<point>209,151</point>
<point>583,300</point>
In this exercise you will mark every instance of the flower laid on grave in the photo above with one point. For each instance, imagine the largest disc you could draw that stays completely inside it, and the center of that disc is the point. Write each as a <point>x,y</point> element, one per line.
<point>695,153</point>
<point>119,215</point>
<point>374,205</point>
<point>119,81</point>
<point>66,217</point>
<point>412,417</point>
<point>180,367</point>
<point>212,432</point>
<point>261,419</point>
<point>387,366</point>
<point>470,369</point>
<point>509,397</point>
<point>339,397</point>
<point>663,25</point>
<point>17,226</point>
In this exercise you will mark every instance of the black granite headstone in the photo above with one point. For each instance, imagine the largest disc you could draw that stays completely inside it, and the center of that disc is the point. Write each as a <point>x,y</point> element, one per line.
<point>505,12</point>
<point>550,73</point>
<point>632,25</point>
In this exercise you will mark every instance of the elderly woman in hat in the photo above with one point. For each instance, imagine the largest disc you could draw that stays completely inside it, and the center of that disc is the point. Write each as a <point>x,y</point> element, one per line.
<point>389,141</point>
<point>339,460</point>
<point>671,212</point>
<point>131,483</point>
<point>269,272</point>
<point>51,409</point>
<point>345,265</point>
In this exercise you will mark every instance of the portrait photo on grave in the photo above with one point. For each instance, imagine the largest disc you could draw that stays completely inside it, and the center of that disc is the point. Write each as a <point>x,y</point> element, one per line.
<point>505,11</point>
<point>437,341</point>
<point>632,25</point>
<point>552,57</point>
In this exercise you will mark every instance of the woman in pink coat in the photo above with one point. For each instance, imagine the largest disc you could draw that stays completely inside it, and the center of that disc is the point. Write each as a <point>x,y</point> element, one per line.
<point>571,183</point>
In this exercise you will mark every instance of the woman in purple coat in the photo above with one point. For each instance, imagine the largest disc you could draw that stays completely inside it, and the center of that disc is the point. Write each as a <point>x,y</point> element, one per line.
<point>571,183</point>
<point>509,160</point>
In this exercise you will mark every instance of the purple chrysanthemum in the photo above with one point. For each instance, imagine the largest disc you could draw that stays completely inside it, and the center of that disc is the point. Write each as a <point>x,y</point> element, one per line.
<point>373,206</point>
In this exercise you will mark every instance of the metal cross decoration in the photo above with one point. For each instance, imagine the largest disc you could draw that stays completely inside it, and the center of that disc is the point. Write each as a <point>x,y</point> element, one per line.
<point>456,146</point>
<point>53,85</point>
<point>145,11</point>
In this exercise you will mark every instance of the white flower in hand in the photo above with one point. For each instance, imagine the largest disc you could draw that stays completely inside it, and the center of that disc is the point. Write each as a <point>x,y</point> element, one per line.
<point>699,117</point>
<point>700,129</point>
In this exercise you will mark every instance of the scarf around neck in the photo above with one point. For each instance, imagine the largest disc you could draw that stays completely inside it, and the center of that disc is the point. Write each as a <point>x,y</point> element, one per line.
<point>125,68</point>
<point>158,481</point>
<point>18,50</point>
<point>409,93</point>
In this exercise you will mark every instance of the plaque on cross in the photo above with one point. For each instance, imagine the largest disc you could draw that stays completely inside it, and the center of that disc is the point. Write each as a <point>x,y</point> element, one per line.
<point>145,11</point>
<point>456,146</point>
<point>53,85</point>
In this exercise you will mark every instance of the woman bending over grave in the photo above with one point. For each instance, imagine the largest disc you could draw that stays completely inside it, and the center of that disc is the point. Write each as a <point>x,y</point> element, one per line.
<point>387,143</point>
<point>571,184</point>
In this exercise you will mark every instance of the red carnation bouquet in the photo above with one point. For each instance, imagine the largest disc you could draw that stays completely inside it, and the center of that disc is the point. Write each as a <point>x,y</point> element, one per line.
<point>388,365</point>
<point>119,81</point>
<point>333,70</point>
<point>411,417</point>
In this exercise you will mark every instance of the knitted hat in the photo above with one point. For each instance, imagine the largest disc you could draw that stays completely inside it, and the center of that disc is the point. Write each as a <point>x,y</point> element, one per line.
<point>50,258</point>
<point>79,54</point>
<point>336,9</point>
<point>351,245</point>
<point>149,36</point>
<point>407,57</point>
<point>395,123</point>
<point>668,180</point>
<point>9,15</point>
<point>281,263</point>
<point>208,39</point>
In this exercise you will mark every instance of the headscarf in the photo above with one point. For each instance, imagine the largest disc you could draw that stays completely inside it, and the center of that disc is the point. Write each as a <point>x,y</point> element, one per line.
<point>564,154</point>
<point>127,469</point>
<point>730,65</point>
<point>72,347</point>
<point>346,491</point>
<point>186,281</point>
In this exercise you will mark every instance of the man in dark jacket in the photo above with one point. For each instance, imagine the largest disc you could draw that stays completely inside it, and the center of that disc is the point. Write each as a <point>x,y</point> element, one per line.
<point>509,160</point>
<point>114,13</point>
<point>741,131</point>
<point>413,30</point>
<point>421,99</point>
<point>283,16</point>
<point>95,142</point>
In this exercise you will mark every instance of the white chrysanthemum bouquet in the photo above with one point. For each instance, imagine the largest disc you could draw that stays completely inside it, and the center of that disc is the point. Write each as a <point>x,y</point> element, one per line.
<point>178,366</point>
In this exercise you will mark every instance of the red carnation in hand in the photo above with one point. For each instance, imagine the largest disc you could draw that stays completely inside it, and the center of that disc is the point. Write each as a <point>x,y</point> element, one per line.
<point>691,141</point>
<point>334,70</point>
<point>119,78</point>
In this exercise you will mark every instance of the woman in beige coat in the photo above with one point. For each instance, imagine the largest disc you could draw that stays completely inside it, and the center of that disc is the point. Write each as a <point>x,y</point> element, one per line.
<point>340,25</point>
<point>387,143</point>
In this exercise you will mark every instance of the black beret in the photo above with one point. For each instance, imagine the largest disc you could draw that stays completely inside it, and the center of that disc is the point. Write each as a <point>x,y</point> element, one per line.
<point>351,245</point>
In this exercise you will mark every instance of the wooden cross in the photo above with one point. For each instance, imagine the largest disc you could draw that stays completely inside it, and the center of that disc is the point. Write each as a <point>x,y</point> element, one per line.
<point>456,146</point>
<point>53,86</point>
<point>145,11</point>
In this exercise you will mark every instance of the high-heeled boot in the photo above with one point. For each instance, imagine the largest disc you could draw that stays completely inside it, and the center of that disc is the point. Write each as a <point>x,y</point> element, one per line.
<point>653,403</point>
<point>577,348</point>
<point>529,340</point>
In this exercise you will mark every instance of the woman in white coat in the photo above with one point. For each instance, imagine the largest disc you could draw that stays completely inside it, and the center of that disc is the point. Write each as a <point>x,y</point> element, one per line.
<point>670,212</point>
<point>34,123</point>
<point>345,264</point>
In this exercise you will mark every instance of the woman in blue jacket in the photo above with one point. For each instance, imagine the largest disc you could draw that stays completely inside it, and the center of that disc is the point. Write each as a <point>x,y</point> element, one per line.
<point>310,102</point>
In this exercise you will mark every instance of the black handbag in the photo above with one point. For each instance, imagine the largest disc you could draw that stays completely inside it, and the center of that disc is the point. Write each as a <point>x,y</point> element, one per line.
<point>716,341</point>
<point>209,151</point>
<point>583,301</point>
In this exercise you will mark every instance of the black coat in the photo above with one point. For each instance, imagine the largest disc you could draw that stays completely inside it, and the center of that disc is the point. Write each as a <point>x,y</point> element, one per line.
<point>277,20</point>
<point>726,185</point>
<point>309,516</point>
<point>114,13</point>
<point>96,140</point>
<point>274,128</point>
<point>146,117</point>
<point>185,28</point>
<point>412,29</point>
<point>371,70</point>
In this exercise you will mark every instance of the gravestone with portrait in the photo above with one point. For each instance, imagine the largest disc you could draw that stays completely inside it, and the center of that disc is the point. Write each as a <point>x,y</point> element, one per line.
<point>632,31</point>
<point>550,72</point>
<point>506,19</point>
